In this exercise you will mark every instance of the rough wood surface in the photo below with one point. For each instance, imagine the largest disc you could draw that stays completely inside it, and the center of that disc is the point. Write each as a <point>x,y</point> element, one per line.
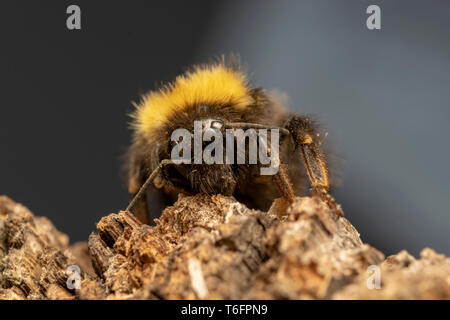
<point>210,248</point>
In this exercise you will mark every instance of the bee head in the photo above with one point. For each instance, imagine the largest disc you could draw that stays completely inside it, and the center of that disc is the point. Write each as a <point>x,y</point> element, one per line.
<point>204,98</point>
<point>201,150</point>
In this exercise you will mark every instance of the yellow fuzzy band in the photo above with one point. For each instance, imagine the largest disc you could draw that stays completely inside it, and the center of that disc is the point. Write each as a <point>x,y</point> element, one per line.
<point>214,85</point>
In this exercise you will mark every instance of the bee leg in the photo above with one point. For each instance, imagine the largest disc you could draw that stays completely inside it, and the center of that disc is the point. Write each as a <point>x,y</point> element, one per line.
<point>141,210</point>
<point>281,178</point>
<point>284,184</point>
<point>305,136</point>
<point>139,201</point>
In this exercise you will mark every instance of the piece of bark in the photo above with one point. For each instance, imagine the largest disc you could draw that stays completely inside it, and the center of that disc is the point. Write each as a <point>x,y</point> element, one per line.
<point>404,277</point>
<point>313,253</point>
<point>200,243</point>
<point>212,247</point>
<point>34,256</point>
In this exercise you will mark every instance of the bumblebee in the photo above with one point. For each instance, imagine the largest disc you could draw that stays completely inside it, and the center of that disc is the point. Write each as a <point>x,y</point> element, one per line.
<point>219,96</point>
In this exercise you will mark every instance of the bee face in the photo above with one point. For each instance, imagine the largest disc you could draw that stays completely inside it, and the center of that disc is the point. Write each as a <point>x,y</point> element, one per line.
<point>209,179</point>
<point>213,98</point>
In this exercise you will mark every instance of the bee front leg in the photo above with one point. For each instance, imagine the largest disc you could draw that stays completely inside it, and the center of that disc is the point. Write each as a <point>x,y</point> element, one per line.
<point>140,210</point>
<point>139,202</point>
<point>305,136</point>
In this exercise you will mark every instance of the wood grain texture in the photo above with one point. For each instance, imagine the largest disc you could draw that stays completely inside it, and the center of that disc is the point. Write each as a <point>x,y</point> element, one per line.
<point>210,247</point>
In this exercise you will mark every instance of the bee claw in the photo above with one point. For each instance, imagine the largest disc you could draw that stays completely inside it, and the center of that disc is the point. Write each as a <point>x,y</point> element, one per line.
<point>330,201</point>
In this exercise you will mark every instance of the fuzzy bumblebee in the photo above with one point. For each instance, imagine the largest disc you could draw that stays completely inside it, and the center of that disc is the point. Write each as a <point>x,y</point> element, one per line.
<point>219,96</point>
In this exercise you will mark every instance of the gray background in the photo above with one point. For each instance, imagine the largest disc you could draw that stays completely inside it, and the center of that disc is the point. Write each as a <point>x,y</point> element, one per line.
<point>382,95</point>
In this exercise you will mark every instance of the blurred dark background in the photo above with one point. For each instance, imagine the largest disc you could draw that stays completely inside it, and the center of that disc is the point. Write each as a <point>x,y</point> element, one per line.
<point>383,96</point>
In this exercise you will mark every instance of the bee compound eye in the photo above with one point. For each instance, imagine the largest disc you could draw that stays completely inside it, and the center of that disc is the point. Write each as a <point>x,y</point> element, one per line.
<point>216,124</point>
<point>172,144</point>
